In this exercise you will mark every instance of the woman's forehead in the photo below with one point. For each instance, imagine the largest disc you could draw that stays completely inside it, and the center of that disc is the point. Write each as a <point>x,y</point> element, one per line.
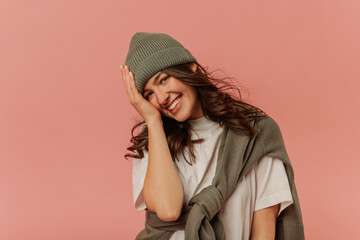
<point>153,80</point>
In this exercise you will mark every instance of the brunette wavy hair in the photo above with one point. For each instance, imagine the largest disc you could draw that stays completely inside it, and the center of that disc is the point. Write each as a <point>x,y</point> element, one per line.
<point>218,104</point>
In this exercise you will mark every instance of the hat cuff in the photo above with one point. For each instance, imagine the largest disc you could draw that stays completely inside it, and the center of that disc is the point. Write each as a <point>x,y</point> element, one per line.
<point>160,61</point>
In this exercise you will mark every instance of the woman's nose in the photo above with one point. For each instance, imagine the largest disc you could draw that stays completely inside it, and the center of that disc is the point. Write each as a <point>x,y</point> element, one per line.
<point>163,98</point>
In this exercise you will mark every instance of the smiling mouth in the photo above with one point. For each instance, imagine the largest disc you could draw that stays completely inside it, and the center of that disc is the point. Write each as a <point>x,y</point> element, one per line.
<point>173,105</point>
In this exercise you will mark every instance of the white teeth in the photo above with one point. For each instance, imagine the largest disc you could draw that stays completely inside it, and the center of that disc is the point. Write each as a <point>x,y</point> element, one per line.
<point>174,104</point>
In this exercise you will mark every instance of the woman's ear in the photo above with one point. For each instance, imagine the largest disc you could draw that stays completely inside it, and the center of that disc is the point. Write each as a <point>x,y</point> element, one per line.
<point>193,66</point>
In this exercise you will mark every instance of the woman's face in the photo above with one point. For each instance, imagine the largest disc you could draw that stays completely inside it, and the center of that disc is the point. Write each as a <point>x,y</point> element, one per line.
<point>172,97</point>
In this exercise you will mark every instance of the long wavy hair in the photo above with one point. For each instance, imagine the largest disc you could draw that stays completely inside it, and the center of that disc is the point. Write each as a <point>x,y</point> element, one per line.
<point>220,102</point>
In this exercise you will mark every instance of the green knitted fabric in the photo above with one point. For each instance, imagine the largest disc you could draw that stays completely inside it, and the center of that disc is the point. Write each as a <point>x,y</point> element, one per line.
<point>150,53</point>
<point>201,218</point>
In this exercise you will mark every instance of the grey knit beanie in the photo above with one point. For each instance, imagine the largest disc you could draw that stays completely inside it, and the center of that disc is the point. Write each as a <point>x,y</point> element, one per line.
<point>150,53</point>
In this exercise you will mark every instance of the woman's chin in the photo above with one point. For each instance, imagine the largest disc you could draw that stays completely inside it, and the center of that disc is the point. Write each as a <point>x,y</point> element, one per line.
<point>182,118</point>
<point>178,118</point>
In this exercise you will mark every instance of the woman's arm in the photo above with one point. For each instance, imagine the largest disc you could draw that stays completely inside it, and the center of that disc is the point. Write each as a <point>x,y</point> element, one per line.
<point>163,192</point>
<point>264,222</point>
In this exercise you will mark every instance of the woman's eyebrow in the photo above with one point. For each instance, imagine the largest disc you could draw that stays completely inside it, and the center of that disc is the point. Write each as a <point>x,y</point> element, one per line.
<point>155,81</point>
<point>157,78</point>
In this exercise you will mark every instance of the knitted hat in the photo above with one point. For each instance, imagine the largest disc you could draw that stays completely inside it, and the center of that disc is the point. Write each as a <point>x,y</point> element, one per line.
<point>150,53</point>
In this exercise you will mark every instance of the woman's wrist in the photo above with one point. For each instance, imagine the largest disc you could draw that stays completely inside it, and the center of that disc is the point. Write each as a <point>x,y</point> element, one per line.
<point>153,121</point>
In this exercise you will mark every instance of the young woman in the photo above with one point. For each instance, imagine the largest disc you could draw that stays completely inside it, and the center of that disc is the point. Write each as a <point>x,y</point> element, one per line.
<point>206,165</point>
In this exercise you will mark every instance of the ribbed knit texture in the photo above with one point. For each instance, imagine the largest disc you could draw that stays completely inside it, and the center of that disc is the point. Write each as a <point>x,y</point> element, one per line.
<point>150,53</point>
<point>237,154</point>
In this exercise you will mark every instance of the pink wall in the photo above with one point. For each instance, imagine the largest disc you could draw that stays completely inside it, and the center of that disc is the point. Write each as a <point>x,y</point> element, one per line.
<point>65,120</point>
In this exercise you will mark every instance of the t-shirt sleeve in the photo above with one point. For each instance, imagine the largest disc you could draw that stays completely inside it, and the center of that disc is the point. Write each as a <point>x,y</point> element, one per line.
<point>272,184</point>
<point>138,177</point>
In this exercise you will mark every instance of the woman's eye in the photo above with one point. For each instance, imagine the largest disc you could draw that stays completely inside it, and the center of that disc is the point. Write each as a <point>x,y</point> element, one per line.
<point>164,79</point>
<point>147,96</point>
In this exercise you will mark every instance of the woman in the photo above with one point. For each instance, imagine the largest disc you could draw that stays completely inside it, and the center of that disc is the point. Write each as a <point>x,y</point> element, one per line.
<point>206,165</point>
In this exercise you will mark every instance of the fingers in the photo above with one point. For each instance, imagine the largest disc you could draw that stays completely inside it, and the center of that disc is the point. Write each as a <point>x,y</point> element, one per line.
<point>142,106</point>
<point>129,82</point>
<point>125,76</point>
<point>133,88</point>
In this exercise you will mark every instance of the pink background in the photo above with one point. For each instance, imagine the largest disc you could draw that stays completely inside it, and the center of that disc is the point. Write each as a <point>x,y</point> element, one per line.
<point>65,119</point>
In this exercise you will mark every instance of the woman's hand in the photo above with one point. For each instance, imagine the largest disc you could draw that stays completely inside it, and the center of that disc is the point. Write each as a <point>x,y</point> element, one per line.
<point>142,106</point>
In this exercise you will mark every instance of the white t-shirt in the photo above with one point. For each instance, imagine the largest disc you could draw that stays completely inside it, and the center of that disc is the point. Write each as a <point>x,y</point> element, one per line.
<point>265,185</point>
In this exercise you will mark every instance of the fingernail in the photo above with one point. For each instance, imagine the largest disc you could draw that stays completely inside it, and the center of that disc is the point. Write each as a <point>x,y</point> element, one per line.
<point>125,67</point>
<point>130,74</point>
<point>121,67</point>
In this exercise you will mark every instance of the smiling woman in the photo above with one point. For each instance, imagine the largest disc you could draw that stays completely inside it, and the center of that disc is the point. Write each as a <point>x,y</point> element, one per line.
<point>172,97</point>
<point>206,165</point>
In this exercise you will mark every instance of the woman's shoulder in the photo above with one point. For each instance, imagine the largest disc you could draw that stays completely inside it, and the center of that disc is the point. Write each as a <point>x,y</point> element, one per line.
<point>268,134</point>
<point>267,122</point>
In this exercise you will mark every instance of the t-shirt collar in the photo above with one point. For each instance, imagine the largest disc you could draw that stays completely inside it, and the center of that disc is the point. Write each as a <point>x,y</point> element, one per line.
<point>202,123</point>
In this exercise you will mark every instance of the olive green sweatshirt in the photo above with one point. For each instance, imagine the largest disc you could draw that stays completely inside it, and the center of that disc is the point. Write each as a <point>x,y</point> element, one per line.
<point>201,217</point>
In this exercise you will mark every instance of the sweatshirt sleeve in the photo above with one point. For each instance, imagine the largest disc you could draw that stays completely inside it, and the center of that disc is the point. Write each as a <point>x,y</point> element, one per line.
<point>272,184</point>
<point>138,177</point>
